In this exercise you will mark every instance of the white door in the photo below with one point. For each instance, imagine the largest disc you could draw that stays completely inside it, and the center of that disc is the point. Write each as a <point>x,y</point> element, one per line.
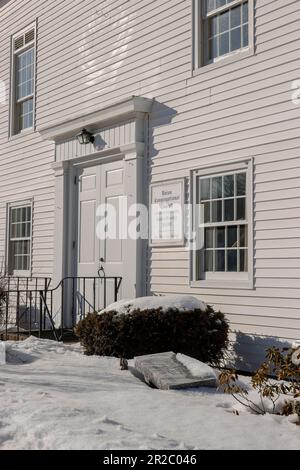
<point>98,185</point>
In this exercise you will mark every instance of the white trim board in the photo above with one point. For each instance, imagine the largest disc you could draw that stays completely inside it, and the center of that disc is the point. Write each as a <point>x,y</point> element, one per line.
<point>130,107</point>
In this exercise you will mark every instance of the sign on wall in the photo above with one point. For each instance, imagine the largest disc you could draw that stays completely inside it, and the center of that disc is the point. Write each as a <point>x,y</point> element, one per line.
<point>167,213</point>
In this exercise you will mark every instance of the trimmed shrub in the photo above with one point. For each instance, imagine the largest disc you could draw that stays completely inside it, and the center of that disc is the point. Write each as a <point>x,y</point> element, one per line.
<point>199,334</point>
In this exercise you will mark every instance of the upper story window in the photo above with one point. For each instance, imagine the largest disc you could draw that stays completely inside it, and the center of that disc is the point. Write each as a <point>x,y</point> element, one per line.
<point>222,27</point>
<point>23,80</point>
<point>226,27</point>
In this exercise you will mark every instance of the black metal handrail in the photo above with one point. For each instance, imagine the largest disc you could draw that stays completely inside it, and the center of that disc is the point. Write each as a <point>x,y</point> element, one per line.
<point>72,298</point>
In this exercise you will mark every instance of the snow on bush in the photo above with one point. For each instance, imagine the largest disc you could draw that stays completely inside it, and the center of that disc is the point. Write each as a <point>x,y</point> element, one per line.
<point>185,303</point>
<point>153,325</point>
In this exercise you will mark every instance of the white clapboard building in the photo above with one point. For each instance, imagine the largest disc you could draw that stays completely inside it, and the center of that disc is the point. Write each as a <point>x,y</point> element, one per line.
<point>156,101</point>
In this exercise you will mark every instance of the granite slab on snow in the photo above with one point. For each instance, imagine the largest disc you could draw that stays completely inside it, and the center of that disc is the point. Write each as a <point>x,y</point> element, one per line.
<point>168,371</point>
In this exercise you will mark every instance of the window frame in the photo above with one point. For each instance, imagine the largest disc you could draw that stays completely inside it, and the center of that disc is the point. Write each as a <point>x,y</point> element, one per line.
<point>234,280</point>
<point>14,130</point>
<point>200,43</point>
<point>9,268</point>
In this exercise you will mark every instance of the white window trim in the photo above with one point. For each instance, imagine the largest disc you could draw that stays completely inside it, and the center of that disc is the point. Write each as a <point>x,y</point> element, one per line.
<point>199,42</point>
<point>225,280</point>
<point>9,206</point>
<point>13,132</point>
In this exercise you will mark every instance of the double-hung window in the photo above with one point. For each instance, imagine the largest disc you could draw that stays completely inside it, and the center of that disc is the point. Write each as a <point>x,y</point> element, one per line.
<point>222,28</point>
<point>224,204</point>
<point>19,238</point>
<point>23,81</point>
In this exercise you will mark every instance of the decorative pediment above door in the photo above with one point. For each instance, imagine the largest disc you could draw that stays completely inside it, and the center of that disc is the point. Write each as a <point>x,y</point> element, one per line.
<point>114,127</point>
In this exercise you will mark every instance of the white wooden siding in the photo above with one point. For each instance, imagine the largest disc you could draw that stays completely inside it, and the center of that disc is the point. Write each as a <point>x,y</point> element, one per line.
<point>107,138</point>
<point>91,58</point>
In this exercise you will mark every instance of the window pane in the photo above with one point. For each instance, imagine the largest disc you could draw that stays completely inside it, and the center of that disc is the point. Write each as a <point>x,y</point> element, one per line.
<point>26,247</point>
<point>220,260</point>
<point>245,12</point>
<point>224,44</point>
<point>229,186</point>
<point>23,214</point>
<point>217,187</point>
<point>18,231</point>
<point>213,26</point>
<point>213,48</point>
<point>205,189</point>
<point>232,260</point>
<point>217,211</point>
<point>26,114</point>
<point>26,263</point>
<point>207,212</point>
<point>13,215</point>
<point>245,36</point>
<point>229,209</point>
<point>236,16</point>
<point>241,209</point>
<point>241,184</point>
<point>209,238</point>
<point>209,260</point>
<point>243,236</point>
<point>23,230</point>
<point>236,39</point>
<point>28,229</point>
<point>224,22</point>
<point>19,215</point>
<point>220,237</point>
<point>244,261</point>
<point>13,231</point>
<point>232,237</point>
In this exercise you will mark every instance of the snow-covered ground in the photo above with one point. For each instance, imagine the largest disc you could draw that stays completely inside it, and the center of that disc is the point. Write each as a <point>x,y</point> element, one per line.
<point>54,397</point>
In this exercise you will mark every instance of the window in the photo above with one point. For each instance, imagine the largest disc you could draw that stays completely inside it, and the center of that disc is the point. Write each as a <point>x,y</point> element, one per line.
<point>225,223</point>
<point>224,28</point>
<point>19,243</point>
<point>23,86</point>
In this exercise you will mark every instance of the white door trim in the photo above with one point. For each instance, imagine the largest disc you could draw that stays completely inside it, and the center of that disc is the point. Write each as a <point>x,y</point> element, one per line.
<point>134,280</point>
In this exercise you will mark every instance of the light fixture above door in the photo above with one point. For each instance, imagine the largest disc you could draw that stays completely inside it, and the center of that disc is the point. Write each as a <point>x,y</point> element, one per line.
<point>85,137</point>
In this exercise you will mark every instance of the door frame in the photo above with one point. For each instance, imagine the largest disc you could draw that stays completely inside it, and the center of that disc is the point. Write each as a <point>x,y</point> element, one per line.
<point>65,264</point>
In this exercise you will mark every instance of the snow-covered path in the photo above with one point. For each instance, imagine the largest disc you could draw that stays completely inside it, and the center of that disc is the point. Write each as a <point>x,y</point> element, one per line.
<point>54,397</point>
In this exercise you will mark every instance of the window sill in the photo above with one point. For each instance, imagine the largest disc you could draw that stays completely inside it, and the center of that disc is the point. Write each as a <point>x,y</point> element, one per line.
<point>226,60</point>
<point>223,284</point>
<point>21,134</point>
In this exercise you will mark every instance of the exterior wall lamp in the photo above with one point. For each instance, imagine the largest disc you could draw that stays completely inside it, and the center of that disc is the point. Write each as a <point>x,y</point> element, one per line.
<point>85,137</point>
